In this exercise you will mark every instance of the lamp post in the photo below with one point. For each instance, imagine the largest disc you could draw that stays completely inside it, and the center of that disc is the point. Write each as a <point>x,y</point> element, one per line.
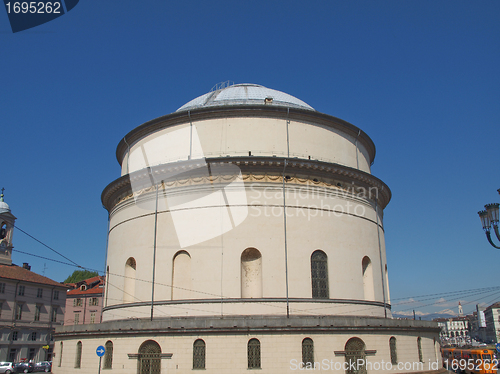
<point>489,217</point>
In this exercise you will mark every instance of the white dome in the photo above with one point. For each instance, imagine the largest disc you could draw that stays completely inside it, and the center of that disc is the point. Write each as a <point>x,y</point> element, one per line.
<point>4,207</point>
<point>245,94</point>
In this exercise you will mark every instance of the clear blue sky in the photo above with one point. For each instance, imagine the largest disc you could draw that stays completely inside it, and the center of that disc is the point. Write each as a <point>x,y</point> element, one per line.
<point>421,78</point>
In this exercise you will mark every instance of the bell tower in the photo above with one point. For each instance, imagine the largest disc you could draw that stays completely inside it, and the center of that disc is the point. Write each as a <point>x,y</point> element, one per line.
<point>7,220</point>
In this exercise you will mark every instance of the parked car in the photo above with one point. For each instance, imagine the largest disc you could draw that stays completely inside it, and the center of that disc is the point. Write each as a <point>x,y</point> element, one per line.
<point>45,366</point>
<point>23,367</point>
<point>6,367</point>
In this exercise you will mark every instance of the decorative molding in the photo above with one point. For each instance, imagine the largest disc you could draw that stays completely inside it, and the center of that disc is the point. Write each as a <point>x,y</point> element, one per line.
<point>136,356</point>
<point>251,301</point>
<point>337,177</point>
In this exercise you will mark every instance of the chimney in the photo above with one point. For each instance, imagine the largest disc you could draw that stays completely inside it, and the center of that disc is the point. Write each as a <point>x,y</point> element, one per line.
<point>26,266</point>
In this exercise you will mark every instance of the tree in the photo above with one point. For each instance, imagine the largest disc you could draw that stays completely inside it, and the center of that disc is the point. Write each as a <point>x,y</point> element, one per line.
<point>79,275</point>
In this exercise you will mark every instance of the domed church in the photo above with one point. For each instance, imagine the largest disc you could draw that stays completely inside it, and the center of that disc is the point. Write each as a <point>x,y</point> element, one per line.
<point>246,232</point>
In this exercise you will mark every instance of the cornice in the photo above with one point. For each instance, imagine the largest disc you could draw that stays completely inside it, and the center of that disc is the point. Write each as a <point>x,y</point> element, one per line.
<point>301,115</point>
<point>246,324</point>
<point>299,171</point>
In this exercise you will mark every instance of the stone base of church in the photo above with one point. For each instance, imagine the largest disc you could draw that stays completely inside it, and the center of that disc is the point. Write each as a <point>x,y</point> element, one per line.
<point>225,342</point>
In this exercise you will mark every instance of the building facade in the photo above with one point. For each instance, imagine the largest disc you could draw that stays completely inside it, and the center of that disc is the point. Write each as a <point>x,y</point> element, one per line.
<point>492,317</point>
<point>246,232</point>
<point>455,330</point>
<point>31,305</point>
<point>84,301</point>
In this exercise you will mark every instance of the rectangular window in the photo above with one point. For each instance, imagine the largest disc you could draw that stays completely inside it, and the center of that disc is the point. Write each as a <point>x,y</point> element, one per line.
<point>77,302</point>
<point>77,318</point>
<point>53,317</point>
<point>32,354</point>
<point>33,336</point>
<point>20,291</point>
<point>2,287</point>
<point>19,310</point>
<point>39,293</point>
<point>38,309</point>
<point>14,335</point>
<point>92,317</point>
<point>12,354</point>
<point>94,301</point>
<point>56,295</point>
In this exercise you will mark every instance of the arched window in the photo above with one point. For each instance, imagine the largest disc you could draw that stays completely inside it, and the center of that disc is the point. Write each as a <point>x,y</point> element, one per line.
<point>253,354</point>
<point>319,275</point>
<point>60,354</point>
<point>368,288</point>
<point>108,356</point>
<point>181,276</point>
<point>251,273</point>
<point>199,354</point>
<point>354,351</point>
<point>307,352</point>
<point>129,283</point>
<point>78,357</point>
<point>419,344</point>
<point>3,230</point>
<point>150,358</point>
<point>394,352</point>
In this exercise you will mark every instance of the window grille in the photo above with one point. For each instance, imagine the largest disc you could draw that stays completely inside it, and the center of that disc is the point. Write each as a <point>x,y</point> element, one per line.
<point>419,344</point>
<point>94,301</point>
<point>56,295</point>
<point>307,351</point>
<point>14,335</point>
<point>394,352</point>
<point>21,291</point>
<point>354,354</point>
<point>199,354</point>
<point>33,336</point>
<point>108,356</point>
<point>2,287</point>
<point>253,354</point>
<point>92,317</point>
<point>39,292</point>
<point>319,275</point>
<point>77,318</point>
<point>150,358</point>
<point>78,359</point>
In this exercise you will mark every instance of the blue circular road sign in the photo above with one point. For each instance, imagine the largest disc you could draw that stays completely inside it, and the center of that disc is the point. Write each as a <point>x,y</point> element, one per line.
<point>100,351</point>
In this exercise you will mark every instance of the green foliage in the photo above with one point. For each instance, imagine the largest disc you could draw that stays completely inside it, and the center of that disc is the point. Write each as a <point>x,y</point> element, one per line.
<point>79,275</point>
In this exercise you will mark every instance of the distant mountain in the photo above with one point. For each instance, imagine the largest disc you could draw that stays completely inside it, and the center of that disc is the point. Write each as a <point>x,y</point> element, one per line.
<point>425,316</point>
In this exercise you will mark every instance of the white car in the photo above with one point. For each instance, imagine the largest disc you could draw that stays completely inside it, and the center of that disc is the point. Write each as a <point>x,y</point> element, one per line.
<point>6,367</point>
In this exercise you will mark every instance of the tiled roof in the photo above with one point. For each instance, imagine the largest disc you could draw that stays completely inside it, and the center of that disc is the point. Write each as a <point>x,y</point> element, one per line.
<point>95,281</point>
<point>492,306</point>
<point>77,291</point>
<point>15,272</point>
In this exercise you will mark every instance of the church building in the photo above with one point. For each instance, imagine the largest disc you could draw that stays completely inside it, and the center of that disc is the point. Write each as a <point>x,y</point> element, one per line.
<point>246,232</point>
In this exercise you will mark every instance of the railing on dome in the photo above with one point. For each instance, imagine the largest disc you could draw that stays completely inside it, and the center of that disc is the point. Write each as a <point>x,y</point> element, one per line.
<point>222,85</point>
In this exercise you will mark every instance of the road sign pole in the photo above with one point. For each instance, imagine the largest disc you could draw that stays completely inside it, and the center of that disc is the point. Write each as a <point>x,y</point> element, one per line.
<point>100,359</point>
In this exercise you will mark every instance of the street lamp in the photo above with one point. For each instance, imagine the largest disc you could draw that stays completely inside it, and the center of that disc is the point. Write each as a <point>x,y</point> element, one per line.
<point>488,218</point>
